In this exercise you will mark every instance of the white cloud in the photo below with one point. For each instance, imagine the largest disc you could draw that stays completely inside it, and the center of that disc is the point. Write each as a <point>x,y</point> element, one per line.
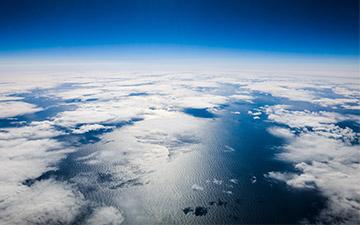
<point>89,127</point>
<point>99,112</point>
<point>350,92</point>
<point>300,119</point>
<point>343,102</point>
<point>26,153</point>
<point>283,89</point>
<point>246,98</point>
<point>16,108</point>
<point>234,181</point>
<point>35,130</point>
<point>106,215</point>
<point>216,181</point>
<point>351,107</point>
<point>308,91</point>
<point>228,149</point>
<point>200,101</point>
<point>324,158</point>
<point>197,187</point>
<point>29,151</point>
<point>9,98</point>
<point>257,113</point>
<point>45,202</point>
<point>281,132</point>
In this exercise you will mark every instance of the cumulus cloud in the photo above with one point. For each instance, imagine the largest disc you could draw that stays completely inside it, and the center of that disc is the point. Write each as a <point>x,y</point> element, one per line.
<point>26,153</point>
<point>299,119</point>
<point>234,181</point>
<point>44,202</point>
<point>16,108</point>
<point>99,112</point>
<point>308,91</point>
<point>29,151</point>
<point>228,149</point>
<point>9,98</point>
<point>346,91</point>
<point>284,89</point>
<point>342,102</point>
<point>242,97</point>
<point>197,187</point>
<point>216,181</point>
<point>106,215</point>
<point>89,127</point>
<point>257,113</point>
<point>324,158</point>
<point>34,130</point>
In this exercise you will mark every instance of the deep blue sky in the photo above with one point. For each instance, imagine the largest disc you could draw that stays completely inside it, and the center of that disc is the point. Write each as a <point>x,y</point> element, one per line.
<point>314,27</point>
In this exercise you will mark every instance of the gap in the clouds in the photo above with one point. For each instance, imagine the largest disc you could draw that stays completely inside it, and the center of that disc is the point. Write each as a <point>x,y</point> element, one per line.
<point>323,92</point>
<point>238,149</point>
<point>353,125</point>
<point>254,156</point>
<point>138,94</point>
<point>44,176</point>
<point>199,112</point>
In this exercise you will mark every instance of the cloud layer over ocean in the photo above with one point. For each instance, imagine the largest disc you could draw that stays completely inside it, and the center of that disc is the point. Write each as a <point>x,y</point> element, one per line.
<point>149,114</point>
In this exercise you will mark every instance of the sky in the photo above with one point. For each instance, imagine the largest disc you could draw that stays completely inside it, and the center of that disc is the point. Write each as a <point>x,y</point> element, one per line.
<point>306,27</point>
